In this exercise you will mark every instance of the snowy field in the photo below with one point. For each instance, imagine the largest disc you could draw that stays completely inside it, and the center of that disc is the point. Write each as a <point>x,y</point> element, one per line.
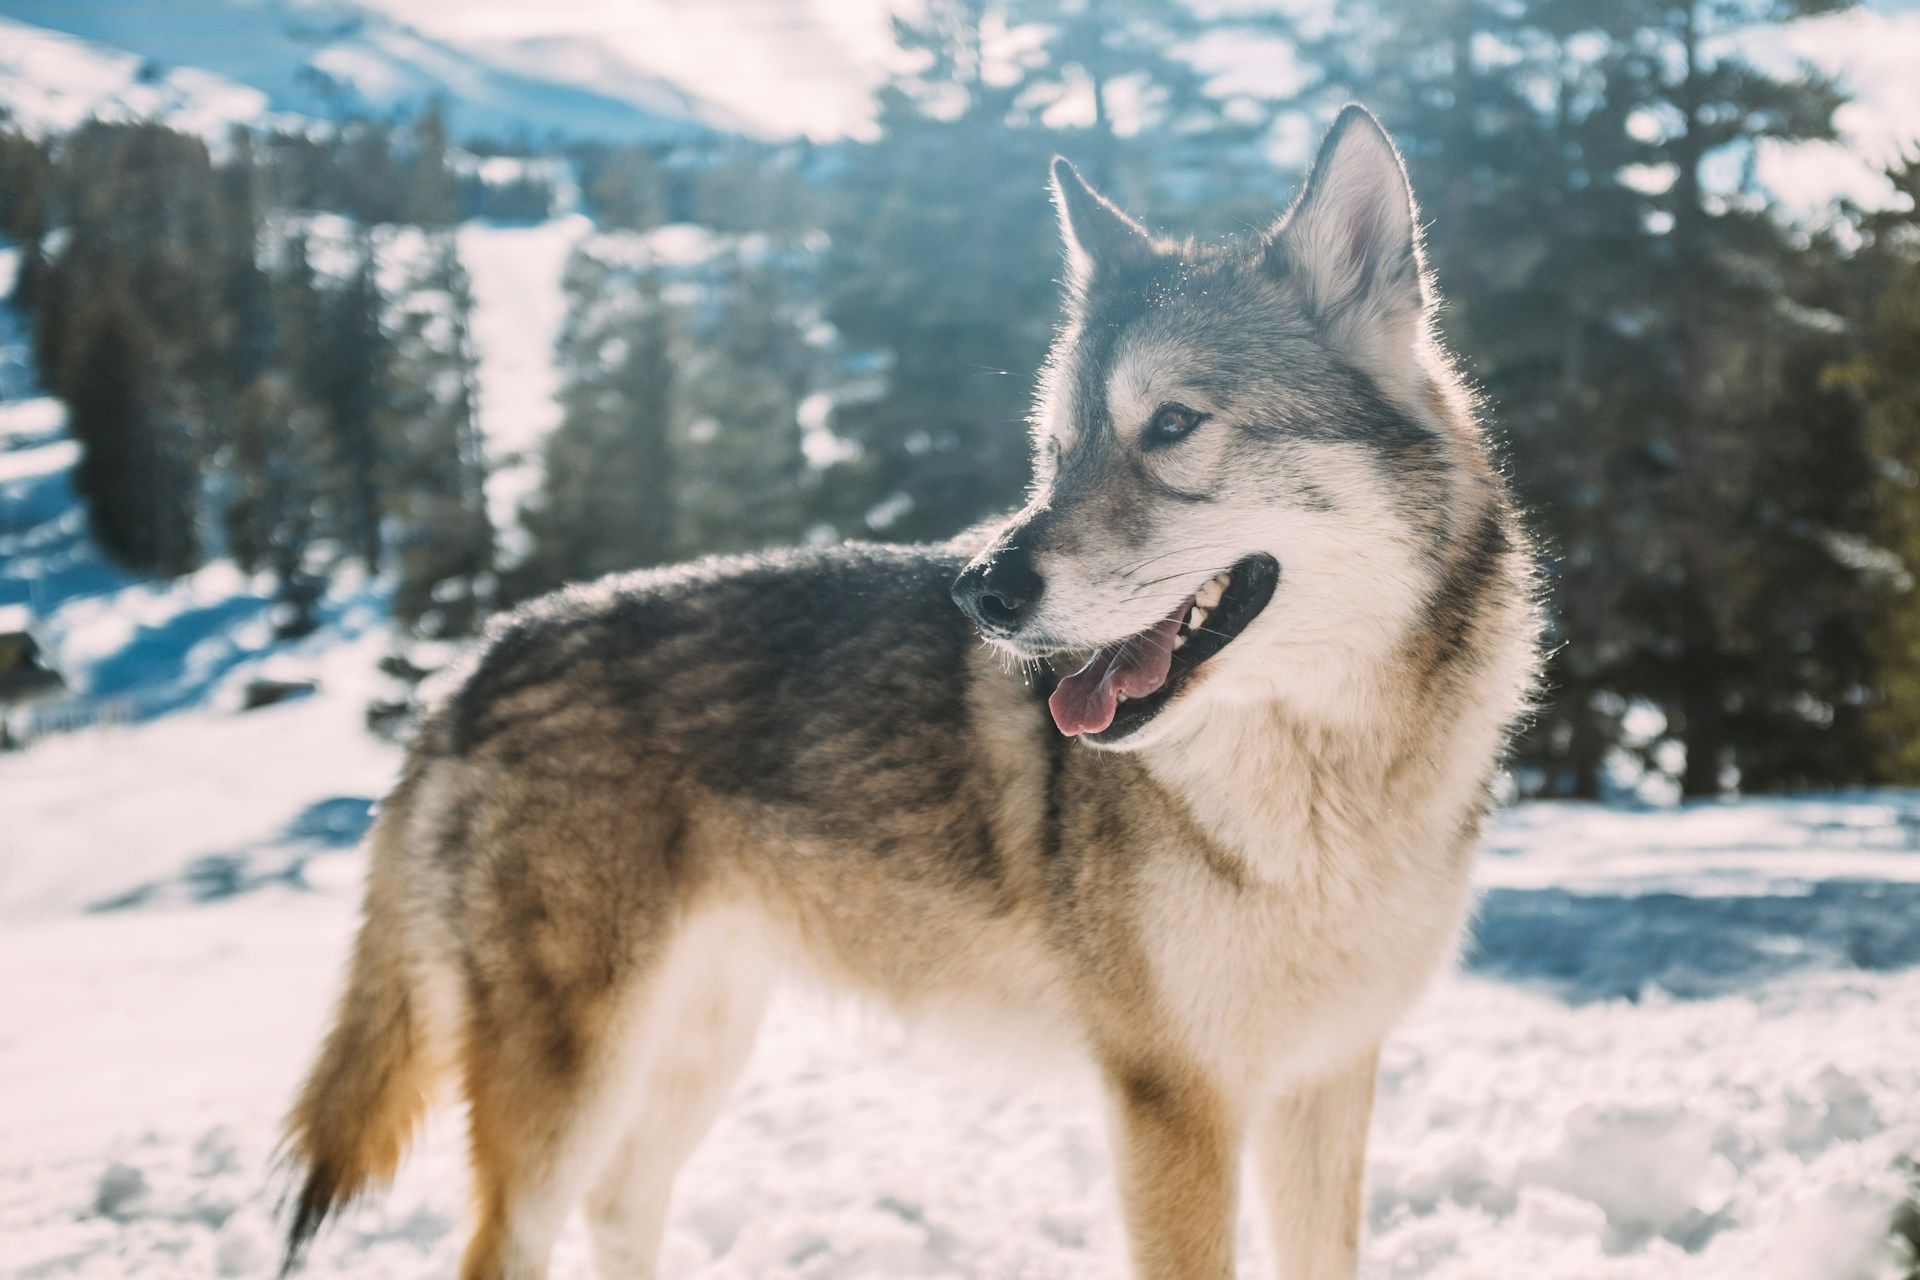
<point>1689,1045</point>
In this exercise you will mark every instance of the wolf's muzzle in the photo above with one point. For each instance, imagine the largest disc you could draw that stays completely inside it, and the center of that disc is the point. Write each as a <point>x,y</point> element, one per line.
<point>998,590</point>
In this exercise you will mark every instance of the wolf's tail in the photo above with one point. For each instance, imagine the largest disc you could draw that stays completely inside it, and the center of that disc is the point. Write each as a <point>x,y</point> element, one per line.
<point>374,1077</point>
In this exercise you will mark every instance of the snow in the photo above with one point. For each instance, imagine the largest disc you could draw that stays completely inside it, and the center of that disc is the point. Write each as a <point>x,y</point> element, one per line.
<point>1872,56</point>
<point>51,82</point>
<point>329,59</point>
<point>518,310</point>
<point>177,898</point>
<point>771,66</point>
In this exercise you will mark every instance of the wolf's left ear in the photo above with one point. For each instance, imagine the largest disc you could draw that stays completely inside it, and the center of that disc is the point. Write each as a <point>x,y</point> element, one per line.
<point>1097,234</point>
<point>1352,239</point>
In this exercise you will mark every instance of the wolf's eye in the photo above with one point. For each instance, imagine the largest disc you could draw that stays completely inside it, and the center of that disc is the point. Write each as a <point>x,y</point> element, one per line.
<point>1171,424</point>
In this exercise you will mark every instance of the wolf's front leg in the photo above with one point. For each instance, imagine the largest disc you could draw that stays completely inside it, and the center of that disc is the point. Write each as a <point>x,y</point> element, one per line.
<point>1310,1151</point>
<point>1177,1147</point>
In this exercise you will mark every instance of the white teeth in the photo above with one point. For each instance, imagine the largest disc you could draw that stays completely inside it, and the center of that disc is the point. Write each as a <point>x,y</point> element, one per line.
<point>1179,639</point>
<point>1209,595</point>
<point>1196,618</point>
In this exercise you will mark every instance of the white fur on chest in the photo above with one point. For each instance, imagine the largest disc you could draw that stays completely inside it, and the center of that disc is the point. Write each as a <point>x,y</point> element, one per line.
<point>1353,883</point>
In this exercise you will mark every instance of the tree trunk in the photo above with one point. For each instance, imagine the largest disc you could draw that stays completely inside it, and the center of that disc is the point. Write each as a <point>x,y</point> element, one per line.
<point>1700,663</point>
<point>1586,749</point>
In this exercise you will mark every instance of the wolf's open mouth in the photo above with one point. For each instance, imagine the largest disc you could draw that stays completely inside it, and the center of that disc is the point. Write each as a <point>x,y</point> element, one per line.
<point>1127,683</point>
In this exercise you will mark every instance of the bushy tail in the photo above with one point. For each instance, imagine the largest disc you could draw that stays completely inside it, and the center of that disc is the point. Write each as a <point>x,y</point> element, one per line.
<point>372,1082</point>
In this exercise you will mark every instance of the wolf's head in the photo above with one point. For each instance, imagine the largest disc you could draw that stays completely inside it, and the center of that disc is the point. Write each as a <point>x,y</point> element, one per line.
<point>1250,462</point>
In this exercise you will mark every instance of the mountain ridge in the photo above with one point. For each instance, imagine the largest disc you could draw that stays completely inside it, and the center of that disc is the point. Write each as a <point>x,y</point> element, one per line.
<point>211,63</point>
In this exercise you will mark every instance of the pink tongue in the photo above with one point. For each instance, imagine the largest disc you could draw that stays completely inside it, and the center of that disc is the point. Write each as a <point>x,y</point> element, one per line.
<point>1085,701</point>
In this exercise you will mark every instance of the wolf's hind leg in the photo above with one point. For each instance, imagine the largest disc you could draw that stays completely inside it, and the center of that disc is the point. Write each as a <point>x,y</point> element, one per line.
<point>562,936</point>
<point>697,1040</point>
<point>1310,1149</point>
<point>547,1092</point>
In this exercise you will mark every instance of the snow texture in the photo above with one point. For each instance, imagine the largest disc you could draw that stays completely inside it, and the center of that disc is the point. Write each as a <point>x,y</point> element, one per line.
<point>518,313</point>
<point>51,82</point>
<point>201,64</point>
<point>178,896</point>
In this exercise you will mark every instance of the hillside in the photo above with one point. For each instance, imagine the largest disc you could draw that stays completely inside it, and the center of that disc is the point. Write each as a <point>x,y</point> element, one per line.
<point>205,63</point>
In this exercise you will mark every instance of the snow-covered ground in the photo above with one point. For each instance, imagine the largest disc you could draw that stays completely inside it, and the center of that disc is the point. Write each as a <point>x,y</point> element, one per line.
<point>1688,1045</point>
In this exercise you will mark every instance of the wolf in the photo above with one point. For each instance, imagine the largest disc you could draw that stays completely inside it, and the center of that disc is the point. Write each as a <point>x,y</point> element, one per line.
<point>1201,808</point>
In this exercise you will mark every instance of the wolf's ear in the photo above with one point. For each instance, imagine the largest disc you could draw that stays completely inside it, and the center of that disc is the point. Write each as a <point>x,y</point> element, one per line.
<point>1098,236</point>
<point>1352,239</point>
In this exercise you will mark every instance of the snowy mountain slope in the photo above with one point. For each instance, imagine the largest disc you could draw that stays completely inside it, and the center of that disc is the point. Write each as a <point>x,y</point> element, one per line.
<point>333,58</point>
<point>789,67</point>
<point>592,66</point>
<point>51,82</point>
<point>655,68</point>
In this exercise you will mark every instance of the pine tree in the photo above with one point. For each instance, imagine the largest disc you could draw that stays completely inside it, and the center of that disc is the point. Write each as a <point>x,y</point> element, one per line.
<point>366,178</point>
<point>443,557</point>
<point>626,189</point>
<point>246,351</point>
<point>348,381</point>
<point>745,481</point>
<point>139,273</point>
<point>272,518</point>
<point>1885,373</point>
<point>749,187</point>
<point>26,196</point>
<point>608,500</point>
<point>944,285</point>
<point>136,471</point>
<point>431,192</point>
<point>1117,81</point>
<point>279,446</point>
<point>1725,261</point>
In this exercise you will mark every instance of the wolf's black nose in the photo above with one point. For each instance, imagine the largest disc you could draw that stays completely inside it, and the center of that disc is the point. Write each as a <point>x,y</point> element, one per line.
<point>997,592</point>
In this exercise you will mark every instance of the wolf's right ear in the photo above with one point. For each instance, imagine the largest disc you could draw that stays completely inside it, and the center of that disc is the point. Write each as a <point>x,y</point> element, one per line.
<point>1098,236</point>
